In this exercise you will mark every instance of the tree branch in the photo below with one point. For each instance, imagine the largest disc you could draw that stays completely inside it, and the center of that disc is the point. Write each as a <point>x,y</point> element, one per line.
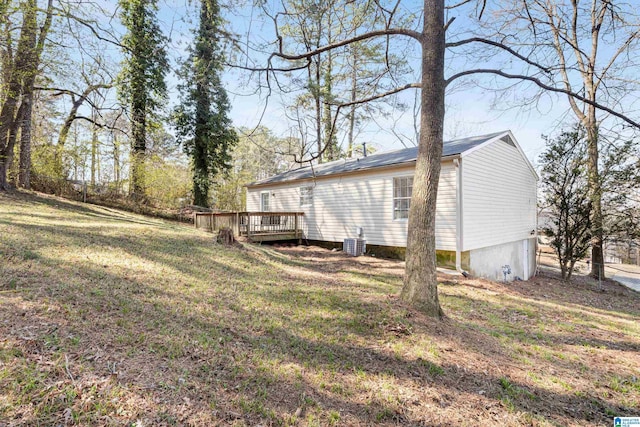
<point>44,29</point>
<point>376,97</point>
<point>545,87</point>
<point>500,46</point>
<point>100,125</point>
<point>633,36</point>
<point>284,70</point>
<point>83,96</point>
<point>113,40</point>
<point>461,3</point>
<point>366,36</point>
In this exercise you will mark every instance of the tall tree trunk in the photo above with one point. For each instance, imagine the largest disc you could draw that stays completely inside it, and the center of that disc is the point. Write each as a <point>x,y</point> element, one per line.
<point>570,270</point>
<point>19,69</point>
<point>318,106</point>
<point>354,94</point>
<point>420,282</point>
<point>200,176</point>
<point>7,164</point>
<point>98,162</point>
<point>25,70</point>
<point>8,127</point>
<point>94,150</point>
<point>201,171</point>
<point>7,139</point>
<point>326,117</point>
<point>8,116</point>
<point>595,185</point>
<point>142,80</point>
<point>23,120</point>
<point>76,159</point>
<point>329,137</point>
<point>208,126</point>
<point>116,162</point>
<point>138,149</point>
<point>24,176</point>
<point>6,53</point>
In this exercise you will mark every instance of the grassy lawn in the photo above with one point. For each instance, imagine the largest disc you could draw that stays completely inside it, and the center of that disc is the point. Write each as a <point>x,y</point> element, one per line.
<point>109,318</point>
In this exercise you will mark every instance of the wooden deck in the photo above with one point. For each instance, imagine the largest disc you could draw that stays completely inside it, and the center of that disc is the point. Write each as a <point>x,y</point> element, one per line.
<point>256,226</point>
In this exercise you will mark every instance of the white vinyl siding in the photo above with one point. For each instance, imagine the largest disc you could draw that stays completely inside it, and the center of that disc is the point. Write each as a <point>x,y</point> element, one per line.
<point>340,204</point>
<point>499,196</point>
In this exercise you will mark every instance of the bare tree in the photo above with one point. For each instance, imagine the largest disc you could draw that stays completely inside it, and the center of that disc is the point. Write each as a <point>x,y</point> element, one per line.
<point>311,24</point>
<point>77,100</point>
<point>83,75</point>
<point>420,284</point>
<point>583,49</point>
<point>345,74</point>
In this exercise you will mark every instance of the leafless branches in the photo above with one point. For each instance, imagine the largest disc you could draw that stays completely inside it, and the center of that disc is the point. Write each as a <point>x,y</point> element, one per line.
<point>378,96</point>
<point>546,87</point>
<point>538,57</point>
<point>501,46</point>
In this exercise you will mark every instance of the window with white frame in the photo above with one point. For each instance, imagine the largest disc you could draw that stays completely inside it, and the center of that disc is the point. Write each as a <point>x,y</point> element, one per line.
<point>402,189</point>
<point>306,196</point>
<point>264,201</point>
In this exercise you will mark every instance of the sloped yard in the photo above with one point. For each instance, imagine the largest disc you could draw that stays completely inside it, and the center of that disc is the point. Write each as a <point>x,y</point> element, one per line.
<point>108,318</point>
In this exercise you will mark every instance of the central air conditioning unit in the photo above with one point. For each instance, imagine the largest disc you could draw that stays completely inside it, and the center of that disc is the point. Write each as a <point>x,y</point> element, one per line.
<point>354,247</point>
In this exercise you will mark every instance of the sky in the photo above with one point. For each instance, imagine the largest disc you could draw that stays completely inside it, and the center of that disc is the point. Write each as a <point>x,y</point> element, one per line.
<point>471,109</point>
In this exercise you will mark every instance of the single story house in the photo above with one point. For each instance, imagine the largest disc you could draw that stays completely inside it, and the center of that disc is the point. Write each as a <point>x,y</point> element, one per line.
<point>486,210</point>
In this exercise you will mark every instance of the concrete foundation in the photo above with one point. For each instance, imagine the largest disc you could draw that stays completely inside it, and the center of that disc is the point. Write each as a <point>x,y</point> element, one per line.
<point>445,259</point>
<point>520,256</point>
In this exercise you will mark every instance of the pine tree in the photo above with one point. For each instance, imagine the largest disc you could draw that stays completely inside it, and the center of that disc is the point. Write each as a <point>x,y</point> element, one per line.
<point>141,82</point>
<point>203,125</point>
<point>566,191</point>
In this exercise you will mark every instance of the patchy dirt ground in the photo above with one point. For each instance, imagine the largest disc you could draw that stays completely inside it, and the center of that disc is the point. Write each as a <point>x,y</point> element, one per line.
<point>109,318</point>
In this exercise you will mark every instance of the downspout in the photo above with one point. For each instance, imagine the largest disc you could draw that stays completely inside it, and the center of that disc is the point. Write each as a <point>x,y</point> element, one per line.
<point>458,164</point>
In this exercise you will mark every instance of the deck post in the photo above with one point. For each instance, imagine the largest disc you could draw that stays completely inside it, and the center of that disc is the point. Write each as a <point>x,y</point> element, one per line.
<point>249,226</point>
<point>236,226</point>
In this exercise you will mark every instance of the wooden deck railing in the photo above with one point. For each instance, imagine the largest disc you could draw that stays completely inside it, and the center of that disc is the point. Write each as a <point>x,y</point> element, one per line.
<point>254,225</point>
<point>212,221</point>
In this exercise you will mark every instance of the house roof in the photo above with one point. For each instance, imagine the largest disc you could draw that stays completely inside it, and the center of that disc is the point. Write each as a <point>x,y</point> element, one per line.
<point>377,160</point>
